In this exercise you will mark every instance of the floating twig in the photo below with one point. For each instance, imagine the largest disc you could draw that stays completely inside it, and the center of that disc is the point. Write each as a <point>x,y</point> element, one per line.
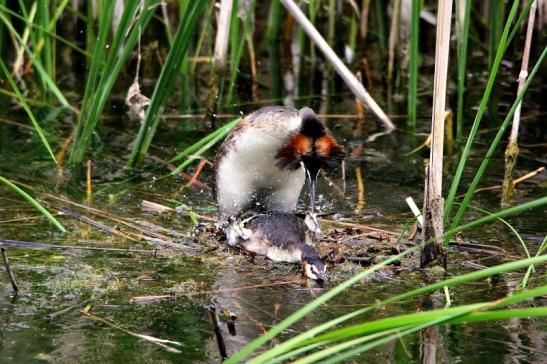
<point>154,206</point>
<point>479,248</point>
<point>6,243</point>
<point>218,332</point>
<point>515,182</point>
<point>9,271</point>
<point>52,316</point>
<point>151,299</point>
<point>152,340</point>
<point>362,227</point>
<point>96,224</point>
<point>143,233</point>
<point>21,219</point>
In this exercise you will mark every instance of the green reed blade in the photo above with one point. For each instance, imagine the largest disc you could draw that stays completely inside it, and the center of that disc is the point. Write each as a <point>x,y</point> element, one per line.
<point>506,223</point>
<point>397,321</point>
<point>218,136</point>
<point>472,316</point>
<point>206,139</point>
<point>238,50</point>
<point>540,251</point>
<point>463,40</point>
<point>453,315</point>
<point>122,46</point>
<point>48,31</point>
<point>27,109</point>
<point>333,352</point>
<point>473,186</point>
<point>29,198</point>
<point>165,82</point>
<point>37,64</point>
<point>482,108</point>
<point>274,20</point>
<point>43,20</point>
<point>413,62</point>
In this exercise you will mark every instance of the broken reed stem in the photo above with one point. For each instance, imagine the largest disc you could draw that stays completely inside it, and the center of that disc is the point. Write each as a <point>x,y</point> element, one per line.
<point>223,34</point>
<point>254,71</point>
<point>521,179</point>
<point>149,339</point>
<point>512,150</point>
<point>363,25</point>
<point>8,270</point>
<point>218,332</point>
<point>435,201</point>
<point>356,87</point>
<point>361,189</point>
<point>60,156</point>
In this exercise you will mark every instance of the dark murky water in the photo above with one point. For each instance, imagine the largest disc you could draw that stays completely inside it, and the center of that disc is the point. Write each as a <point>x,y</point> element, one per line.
<point>54,280</point>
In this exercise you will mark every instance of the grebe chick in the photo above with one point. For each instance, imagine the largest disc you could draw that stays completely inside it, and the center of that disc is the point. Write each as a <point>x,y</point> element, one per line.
<point>262,164</point>
<point>282,238</point>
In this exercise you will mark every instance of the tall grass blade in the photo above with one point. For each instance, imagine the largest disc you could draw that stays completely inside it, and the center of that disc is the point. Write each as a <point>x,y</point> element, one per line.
<point>236,57</point>
<point>540,251</point>
<point>204,145</point>
<point>274,21</point>
<point>165,82</point>
<point>37,64</point>
<point>48,31</point>
<point>22,100</point>
<point>482,108</point>
<point>413,62</point>
<point>48,59</point>
<point>34,203</point>
<point>463,10</point>
<point>103,77</point>
<point>473,186</point>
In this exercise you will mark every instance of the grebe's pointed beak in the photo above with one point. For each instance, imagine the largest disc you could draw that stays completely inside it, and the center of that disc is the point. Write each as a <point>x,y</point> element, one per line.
<point>311,179</point>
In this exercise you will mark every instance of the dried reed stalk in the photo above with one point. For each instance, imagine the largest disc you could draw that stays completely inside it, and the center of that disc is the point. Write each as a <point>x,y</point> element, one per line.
<point>223,34</point>
<point>435,202</point>
<point>356,87</point>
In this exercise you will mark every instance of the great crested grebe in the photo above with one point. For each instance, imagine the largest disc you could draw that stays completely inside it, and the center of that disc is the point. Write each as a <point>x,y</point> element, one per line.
<point>281,237</point>
<point>264,161</point>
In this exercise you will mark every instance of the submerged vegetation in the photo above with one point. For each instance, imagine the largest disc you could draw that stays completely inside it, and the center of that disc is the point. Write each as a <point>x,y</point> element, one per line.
<point>99,98</point>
